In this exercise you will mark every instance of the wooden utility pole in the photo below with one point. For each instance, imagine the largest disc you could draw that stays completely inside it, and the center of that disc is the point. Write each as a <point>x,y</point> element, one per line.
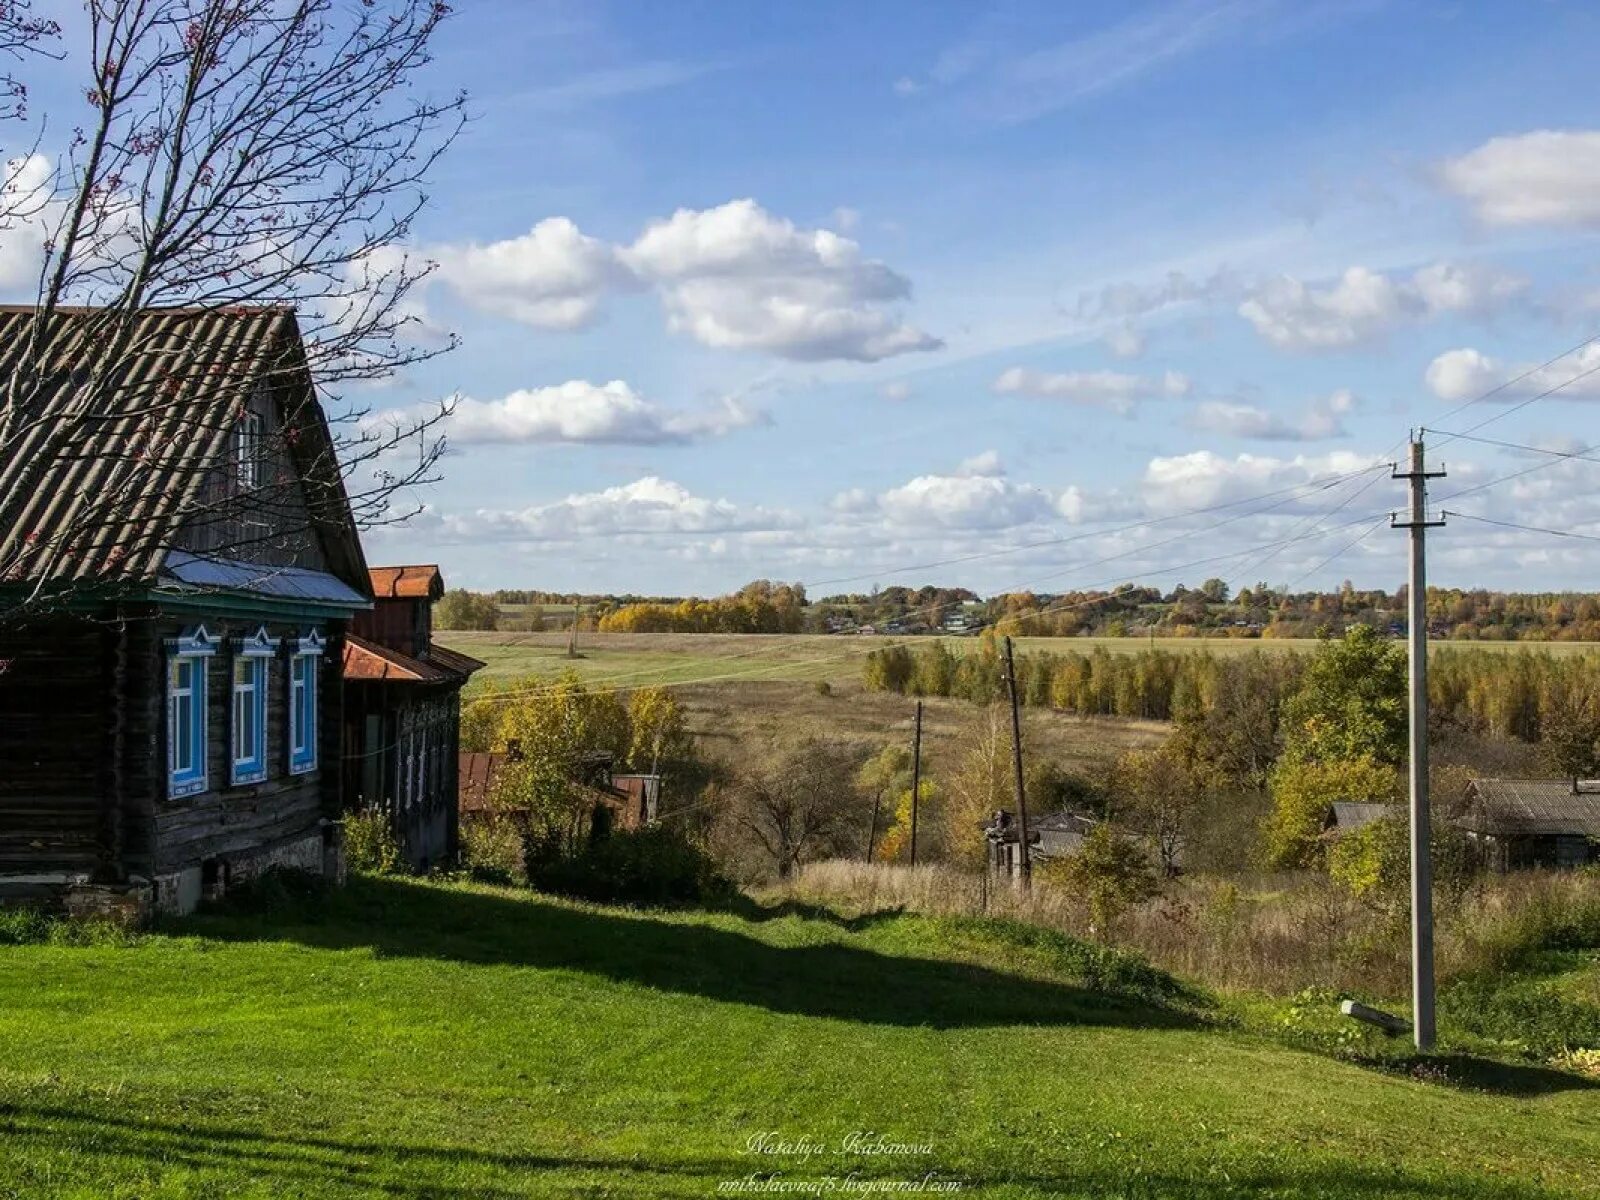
<point>872,830</point>
<point>1024,858</point>
<point>1417,522</point>
<point>572,640</point>
<point>916,780</point>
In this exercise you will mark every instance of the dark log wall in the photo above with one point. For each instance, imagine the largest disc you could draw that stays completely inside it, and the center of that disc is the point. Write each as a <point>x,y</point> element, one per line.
<point>404,625</point>
<point>227,820</point>
<point>402,742</point>
<point>55,679</point>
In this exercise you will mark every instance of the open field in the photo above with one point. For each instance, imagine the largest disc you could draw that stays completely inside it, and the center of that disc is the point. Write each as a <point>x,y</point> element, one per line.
<point>640,659</point>
<point>737,722</point>
<point>423,1040</point>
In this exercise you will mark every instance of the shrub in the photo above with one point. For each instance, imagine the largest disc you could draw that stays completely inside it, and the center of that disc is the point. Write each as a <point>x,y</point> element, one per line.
<point>370,844</point>
<point>652,867</point>
<point>824,688</point>
<point>492,851</point>
<point>1112,872</point>
<point>23,926</point>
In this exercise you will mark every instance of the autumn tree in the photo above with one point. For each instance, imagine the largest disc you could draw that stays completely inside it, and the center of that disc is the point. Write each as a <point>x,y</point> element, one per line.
<point>1344,736</point>
<point>882,778</point>
<point>1111,872</point>
<point>980,785</point>
<point>1159,792</point>
<point>232,153</point>
<point>801,803</point>
<point>461,609</point>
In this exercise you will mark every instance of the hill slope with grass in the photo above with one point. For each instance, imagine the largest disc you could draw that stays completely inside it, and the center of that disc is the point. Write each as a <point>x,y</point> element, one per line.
<point>417,1039</point>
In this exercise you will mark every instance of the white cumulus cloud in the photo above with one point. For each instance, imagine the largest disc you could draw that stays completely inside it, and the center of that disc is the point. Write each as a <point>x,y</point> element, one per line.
<point>582,412</point>
<point>737,277</point>
<point>1458,375</point>
<point>552,277</point>
<point>1546,177</point>
<point>1362,305</point>
<point>1203,478</point>
<point>647,506</point>
<point>1323,418</point>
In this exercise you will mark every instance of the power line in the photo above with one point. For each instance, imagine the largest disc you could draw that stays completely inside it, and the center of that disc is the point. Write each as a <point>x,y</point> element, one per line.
<point>1580,455</point>
<point>1561,533</point>
<point>1348,546</point>
<point>1512,382</point>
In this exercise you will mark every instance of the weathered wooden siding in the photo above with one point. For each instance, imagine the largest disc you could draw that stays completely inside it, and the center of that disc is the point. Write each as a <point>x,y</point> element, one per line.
<point>270,524</point>
<point>404,741</point>
<point>228,820</point>
<point>403,625</point>
<point>55,683</point>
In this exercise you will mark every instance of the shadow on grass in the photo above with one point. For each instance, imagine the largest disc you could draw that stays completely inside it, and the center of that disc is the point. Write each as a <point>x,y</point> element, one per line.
<point>1473,1074</point>
<point>745,908</point>
<point>108,1145</point>
<point>844,982</point>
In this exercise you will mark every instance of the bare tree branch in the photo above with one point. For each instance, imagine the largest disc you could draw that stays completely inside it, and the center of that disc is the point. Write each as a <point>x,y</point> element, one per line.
<point>238,154</point>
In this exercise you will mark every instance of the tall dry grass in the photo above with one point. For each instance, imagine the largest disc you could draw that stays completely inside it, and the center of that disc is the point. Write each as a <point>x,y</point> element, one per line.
<point>1272,933</point>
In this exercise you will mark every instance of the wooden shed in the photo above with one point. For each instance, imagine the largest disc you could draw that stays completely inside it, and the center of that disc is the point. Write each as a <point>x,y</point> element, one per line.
<point>1521,823</point>
<point>176,581</point>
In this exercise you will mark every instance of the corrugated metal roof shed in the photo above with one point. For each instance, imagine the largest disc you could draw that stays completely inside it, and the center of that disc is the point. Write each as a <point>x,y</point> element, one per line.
<point>1536,807</point>
<point>1349,815</point>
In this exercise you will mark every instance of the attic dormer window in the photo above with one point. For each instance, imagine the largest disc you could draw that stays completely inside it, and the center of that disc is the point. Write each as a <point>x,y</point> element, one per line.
<point>247,450</point>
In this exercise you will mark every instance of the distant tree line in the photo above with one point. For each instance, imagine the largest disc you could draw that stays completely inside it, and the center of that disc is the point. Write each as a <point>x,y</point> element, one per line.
<point>1269,612</point>
<point>759,607</point>
<point>1535,696</point>
<point>1212,609</point>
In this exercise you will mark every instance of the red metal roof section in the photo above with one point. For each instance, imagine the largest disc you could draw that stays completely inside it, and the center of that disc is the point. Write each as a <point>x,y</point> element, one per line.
<point>365,660</point>
<point>419,582</point>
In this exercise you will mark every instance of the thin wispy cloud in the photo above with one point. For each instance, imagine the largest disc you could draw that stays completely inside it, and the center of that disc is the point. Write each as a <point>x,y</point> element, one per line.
<point>1009,80</point>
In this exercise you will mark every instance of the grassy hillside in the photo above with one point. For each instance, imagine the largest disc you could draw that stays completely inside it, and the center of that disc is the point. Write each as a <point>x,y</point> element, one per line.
<point>429,1040</point>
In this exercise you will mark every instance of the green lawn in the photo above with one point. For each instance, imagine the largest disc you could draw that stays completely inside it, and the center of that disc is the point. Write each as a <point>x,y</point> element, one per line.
<point>429,1040</point>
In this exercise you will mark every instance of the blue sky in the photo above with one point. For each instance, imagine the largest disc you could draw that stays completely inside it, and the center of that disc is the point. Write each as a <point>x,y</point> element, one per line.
<point>824,292</point>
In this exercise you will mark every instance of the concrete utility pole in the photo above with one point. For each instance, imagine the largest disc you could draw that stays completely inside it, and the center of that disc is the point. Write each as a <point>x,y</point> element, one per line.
<point>1024,858</point>
<point>1421,867</point>
<point>916,781</point>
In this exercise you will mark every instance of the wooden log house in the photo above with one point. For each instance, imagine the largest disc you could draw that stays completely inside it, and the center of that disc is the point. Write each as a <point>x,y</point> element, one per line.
<point>176,583</point>
<point>403,715</point>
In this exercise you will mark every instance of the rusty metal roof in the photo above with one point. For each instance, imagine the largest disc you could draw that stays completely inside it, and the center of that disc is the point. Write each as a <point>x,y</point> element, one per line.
<point>422,582</point>
<point>113,445</point>
<point>1532,807</point>
<point>367,660</point>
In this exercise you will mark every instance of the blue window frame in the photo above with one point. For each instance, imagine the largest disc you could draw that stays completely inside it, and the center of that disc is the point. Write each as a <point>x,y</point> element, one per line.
<point>303,667</point>
<point>252,657</point>
<point>188,657</point>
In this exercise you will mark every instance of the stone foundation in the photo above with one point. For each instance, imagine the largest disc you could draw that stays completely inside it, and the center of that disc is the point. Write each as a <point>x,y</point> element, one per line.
<point>126,904</point>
